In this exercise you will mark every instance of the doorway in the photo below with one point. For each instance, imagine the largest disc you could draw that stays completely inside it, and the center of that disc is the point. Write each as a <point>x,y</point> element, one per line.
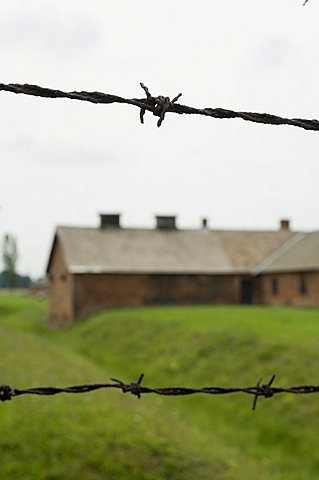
<point>246,292</point>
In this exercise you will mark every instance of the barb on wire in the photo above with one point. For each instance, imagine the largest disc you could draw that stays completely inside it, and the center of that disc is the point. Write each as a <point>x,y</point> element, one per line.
<point>266,390</point>
<point>159,105</point>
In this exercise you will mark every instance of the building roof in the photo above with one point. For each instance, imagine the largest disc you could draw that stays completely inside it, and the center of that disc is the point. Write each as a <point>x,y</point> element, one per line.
<point>300,253</point>
<point>122,250</point>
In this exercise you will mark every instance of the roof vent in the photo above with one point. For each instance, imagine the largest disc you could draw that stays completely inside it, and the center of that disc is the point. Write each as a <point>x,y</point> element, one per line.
<point>284,224</point>
<point>165,223</point>
<point>108,220</point>
<point>204,223</point>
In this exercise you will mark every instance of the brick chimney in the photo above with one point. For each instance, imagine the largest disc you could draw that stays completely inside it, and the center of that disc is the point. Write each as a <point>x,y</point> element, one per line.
<point>204,223</point>
<point>165,223</point>
<point>284,224</point>
<point>110,220</point>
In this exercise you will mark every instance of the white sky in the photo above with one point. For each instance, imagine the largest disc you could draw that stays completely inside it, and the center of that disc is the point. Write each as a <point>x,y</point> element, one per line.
<point>63,161</point>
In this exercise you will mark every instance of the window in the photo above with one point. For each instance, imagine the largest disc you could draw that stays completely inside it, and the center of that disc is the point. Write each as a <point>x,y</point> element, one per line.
<point>303,287</point>
<point>274,286</point>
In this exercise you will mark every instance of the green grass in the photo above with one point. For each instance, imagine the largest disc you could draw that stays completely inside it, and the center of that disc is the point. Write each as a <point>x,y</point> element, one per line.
<point>106,435</point>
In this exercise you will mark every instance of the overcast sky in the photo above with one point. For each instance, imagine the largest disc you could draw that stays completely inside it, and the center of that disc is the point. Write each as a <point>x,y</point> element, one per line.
<point>63,162</point>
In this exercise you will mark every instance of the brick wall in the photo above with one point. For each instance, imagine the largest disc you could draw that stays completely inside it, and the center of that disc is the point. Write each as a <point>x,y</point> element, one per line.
<point>60,290</point>
<point>298,289</point>
<point>94,292</point>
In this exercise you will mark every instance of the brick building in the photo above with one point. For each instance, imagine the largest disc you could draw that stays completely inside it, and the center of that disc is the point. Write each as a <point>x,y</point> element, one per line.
<point>91,269</point>
<point>290,276</point>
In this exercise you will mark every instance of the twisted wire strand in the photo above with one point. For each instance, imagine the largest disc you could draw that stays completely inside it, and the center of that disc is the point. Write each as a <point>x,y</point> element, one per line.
<point>266,390</point>
<point>159,105</point>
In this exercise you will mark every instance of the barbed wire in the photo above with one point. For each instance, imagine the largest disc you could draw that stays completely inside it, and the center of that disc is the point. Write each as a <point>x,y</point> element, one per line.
<point>159,105</point>
<point>266,390</point>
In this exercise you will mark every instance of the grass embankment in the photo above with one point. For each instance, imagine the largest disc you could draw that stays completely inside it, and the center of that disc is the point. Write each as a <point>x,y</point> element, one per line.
<point>109,435</point>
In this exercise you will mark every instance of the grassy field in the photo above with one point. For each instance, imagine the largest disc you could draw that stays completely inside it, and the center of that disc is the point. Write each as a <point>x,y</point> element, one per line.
<point>108,435</point>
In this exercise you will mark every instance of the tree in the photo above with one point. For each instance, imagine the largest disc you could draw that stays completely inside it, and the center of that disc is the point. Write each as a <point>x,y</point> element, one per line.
<point>9,258</point>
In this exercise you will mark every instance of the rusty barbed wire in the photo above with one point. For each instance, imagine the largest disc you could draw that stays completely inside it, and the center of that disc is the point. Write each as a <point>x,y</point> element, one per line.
<point>159,105</point>
<point>266,390</point>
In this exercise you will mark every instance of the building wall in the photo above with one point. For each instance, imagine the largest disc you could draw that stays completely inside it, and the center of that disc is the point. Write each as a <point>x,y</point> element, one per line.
<point>297,289</point>
<point>61,310</point>
<point>76,296</point>
<point>94,292</point>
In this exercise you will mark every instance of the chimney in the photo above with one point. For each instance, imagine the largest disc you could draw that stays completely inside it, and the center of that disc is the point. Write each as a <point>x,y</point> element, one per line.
<point>109,220</point>
<point>284,224</point>
<point>165,223</point>
<point>204,223</point>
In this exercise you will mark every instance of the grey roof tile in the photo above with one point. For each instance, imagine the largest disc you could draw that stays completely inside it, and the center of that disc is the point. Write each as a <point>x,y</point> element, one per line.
<point>122,250</point>
<point>300,253</point>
